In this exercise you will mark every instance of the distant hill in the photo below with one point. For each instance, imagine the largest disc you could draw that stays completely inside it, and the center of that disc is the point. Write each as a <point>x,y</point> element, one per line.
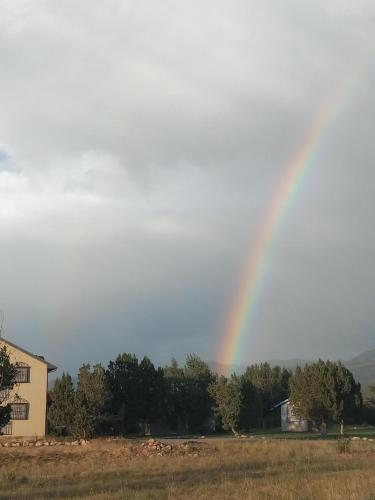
<point>222,369</point>
<point>362,367</point>
<point>290,364</point>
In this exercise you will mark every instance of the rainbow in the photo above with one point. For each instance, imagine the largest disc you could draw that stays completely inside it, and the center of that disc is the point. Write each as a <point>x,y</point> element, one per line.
<point>239,321</point>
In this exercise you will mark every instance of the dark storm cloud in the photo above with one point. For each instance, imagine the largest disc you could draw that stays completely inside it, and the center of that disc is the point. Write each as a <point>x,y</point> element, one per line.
<point>140,145</point>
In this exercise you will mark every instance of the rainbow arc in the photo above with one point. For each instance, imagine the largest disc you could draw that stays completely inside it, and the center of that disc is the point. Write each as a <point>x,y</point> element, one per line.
<point>239,322</point>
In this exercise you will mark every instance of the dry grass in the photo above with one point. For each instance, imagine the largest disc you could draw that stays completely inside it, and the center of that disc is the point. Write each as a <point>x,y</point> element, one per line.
<point>225,469</point>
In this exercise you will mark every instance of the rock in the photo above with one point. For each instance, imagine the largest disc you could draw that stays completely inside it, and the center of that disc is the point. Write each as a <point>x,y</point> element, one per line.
<point>155,448</point>
<point>39,443</point>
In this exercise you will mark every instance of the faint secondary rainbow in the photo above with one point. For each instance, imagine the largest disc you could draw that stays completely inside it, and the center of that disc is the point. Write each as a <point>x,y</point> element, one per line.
<point>241,315</point>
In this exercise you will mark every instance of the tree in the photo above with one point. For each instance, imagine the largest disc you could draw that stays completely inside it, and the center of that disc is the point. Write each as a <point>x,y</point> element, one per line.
<point>198,402</point>
<point>123,383</point>
<point>137,392</point>
<point>369,406</point>
<point>90,400</point>
<point>61,408</point>
<point>325,390</point>
<point>228,398</point>
<point>83,423</point>
<point>151,394</point>
<point>176,396</point>
<point>268,386</point>
<point>7,380</point>
<point>251,414</point>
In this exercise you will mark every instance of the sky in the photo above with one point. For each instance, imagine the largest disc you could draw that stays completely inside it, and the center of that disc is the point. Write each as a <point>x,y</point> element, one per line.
<point>141,144</point>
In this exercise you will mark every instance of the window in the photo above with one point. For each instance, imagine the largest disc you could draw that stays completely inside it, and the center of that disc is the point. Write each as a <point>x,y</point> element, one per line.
<point>4,395</point>
<point>6,430</point>
<point>19,411</point>
<point>22,374</point>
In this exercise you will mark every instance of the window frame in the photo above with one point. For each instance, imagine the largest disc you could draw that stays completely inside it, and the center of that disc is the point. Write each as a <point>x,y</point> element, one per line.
<point>7,430</point>
<point>26,410</point>
<point>22,368</point>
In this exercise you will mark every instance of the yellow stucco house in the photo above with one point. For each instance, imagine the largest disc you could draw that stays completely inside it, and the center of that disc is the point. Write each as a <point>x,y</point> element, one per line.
<point>28,398</point>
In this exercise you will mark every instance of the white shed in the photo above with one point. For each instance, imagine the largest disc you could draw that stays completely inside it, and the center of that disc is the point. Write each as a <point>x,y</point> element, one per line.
<point>289,421</point>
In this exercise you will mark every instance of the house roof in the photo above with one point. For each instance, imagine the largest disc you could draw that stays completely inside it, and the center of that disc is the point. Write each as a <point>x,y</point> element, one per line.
<point>50,366</point>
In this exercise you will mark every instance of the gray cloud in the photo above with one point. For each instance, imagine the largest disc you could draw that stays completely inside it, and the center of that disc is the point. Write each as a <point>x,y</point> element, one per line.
<point>140,146</point>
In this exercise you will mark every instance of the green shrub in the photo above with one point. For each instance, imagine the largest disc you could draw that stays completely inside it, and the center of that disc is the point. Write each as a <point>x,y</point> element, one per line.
<point>343,445</point>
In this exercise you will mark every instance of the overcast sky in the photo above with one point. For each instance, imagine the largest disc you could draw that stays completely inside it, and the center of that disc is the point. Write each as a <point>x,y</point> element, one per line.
<point>141,143</point>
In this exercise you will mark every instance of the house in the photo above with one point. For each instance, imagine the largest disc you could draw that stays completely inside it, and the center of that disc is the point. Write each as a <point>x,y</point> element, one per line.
<point>28,398</point>
<point>289,421</point>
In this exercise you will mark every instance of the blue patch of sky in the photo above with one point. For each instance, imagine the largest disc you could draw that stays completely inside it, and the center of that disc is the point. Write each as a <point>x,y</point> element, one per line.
<point>5,160</point>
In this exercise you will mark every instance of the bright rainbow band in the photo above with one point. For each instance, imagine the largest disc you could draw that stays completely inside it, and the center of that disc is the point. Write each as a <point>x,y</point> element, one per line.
<point>239,322</point>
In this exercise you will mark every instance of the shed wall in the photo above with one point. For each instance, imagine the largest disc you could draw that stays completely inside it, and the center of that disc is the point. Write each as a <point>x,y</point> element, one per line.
<point>290,422</point>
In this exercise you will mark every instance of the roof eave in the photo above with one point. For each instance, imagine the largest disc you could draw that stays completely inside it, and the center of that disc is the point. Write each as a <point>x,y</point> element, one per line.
<point>50,366</point>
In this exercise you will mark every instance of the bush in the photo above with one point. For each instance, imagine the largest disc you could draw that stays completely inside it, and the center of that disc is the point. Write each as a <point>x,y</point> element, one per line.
<point>343,445</point>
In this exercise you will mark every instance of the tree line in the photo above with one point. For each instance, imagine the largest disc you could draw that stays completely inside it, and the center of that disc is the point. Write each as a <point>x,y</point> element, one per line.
<point>135,396</point>
<point>132,396</point>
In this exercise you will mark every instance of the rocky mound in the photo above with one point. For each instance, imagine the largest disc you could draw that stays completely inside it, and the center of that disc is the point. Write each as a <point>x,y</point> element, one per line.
<point>153,447</point>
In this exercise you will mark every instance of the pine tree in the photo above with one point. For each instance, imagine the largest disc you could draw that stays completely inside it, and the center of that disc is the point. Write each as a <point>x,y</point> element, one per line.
<point>369,406</point>
<point>325,390</point>
<point>61,408</point>
<point>90,400</point>
<point>83,422</point>
<point>123,383</point>
<point>251,414</point>
<point>176,396</point>
<point>151,394</point>
<point>269,386</point>
<point>198,402</point>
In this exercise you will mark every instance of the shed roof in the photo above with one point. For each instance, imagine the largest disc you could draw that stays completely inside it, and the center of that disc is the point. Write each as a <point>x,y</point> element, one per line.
<point>280,404</point>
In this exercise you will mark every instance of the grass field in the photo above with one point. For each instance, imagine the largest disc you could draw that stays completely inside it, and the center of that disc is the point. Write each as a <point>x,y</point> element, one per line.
<point>255,468</point>
<point>333,432</point>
